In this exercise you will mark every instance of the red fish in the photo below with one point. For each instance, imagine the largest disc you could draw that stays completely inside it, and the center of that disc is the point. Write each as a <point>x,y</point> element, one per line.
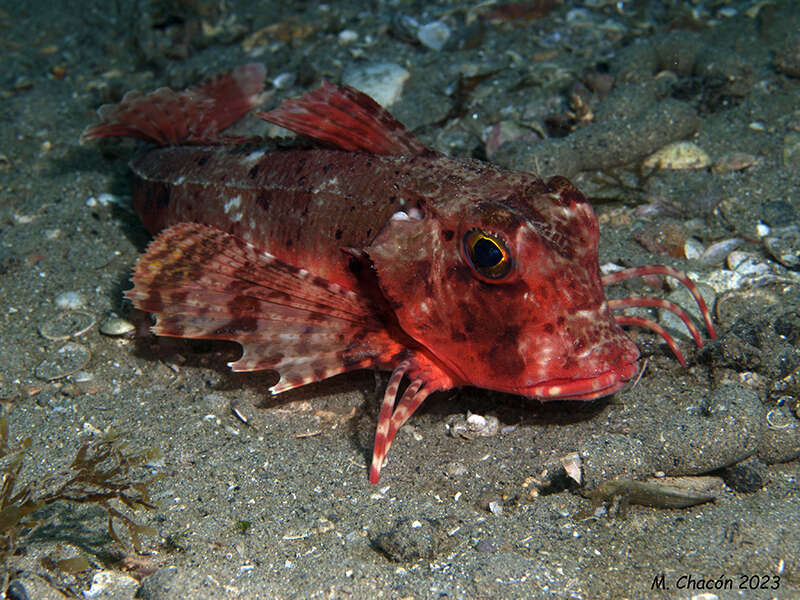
<point>370,250</point>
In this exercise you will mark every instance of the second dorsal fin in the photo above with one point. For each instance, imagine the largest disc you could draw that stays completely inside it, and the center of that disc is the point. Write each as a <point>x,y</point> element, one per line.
<point>346,118</point>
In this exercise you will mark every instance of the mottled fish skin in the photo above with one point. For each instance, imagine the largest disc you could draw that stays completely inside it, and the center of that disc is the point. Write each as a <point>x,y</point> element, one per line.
<point>375,252</point>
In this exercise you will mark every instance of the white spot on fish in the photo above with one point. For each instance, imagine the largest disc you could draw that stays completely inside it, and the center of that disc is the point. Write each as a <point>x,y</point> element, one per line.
<point>233,204</point>
<point>179,180</point>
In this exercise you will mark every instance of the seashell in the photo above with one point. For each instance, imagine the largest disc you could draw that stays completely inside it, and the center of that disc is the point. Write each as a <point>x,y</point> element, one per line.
<point>115,326</point>
<point>717,252</point>
<point>572,465</point>
<point>70,300</point>
<point>68,359</point>
<point>66,325</point>
<point>474,426</point>
<point>678,155</point>
<point>734,161</point>
<point>693,248</point>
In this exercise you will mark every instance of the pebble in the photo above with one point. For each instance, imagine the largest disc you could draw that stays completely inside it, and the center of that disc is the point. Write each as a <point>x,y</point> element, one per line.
<point>496,507</point>
<point>116,326</point>
<point>111,584</point>
<point>347,36</point>
<point>71,300</point>
<point>67,359</point>
<point>66,325</point>
<point>678,155</point>
<point>382,81</point>
<point>433,35</point>
<point>783,243</point>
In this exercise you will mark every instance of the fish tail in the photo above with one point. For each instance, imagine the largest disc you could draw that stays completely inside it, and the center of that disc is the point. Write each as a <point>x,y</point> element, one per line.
<point>346,118</point>
<point>194,116</point>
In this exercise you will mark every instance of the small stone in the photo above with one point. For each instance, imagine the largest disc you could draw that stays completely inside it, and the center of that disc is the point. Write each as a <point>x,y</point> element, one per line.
<point>111,584</point>
<point>783,243</point>
<point>116,326</point>
<point>433,35</point>
<point>347,36</point>
<point>70,300</point>
<point>66,325</point>
<point>66,360</point>
<point>678,155</point>
<point>496,508</point>
<point>382,81</point>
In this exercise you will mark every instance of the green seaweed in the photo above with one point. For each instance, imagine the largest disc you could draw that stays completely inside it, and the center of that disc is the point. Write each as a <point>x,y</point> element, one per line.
<point>100,474</point>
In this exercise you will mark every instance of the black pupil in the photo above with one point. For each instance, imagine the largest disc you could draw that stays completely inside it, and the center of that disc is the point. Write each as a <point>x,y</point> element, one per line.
<point>486,253</point>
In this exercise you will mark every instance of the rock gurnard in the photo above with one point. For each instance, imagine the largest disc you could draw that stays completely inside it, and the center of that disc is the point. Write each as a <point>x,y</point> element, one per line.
<point>370,250</point>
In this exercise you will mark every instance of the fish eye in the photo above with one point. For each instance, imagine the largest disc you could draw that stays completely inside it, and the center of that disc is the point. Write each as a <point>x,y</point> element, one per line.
<point>487,254</point>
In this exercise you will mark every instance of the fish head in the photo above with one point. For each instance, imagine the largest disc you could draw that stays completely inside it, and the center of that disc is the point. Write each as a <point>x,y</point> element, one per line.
<point>504,291</point>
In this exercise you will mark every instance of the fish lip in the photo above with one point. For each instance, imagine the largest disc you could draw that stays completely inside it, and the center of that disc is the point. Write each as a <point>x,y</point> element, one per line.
<point>583,388</point>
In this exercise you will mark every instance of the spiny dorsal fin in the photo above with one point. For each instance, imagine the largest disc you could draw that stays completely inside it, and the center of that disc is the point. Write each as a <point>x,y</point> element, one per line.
<point>194,116</point>
<point>204,283</point>
<point>346,118</point>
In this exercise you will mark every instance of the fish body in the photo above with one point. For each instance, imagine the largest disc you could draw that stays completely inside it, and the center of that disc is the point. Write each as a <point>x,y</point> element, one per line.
<point>368,251</point>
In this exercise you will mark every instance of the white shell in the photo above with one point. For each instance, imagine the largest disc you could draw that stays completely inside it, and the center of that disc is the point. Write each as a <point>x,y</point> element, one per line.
<point>678,155</point>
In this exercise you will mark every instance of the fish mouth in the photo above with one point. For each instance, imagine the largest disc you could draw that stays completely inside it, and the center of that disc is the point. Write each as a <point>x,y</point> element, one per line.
<point>586,388</point>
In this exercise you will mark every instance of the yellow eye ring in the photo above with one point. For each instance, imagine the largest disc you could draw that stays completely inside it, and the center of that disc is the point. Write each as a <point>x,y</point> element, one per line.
<point>487,254</point>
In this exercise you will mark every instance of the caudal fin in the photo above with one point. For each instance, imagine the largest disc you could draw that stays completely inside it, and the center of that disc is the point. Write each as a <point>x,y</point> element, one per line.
<point>193,116</point>
<point>346,118</point>
<point>204,283</point>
